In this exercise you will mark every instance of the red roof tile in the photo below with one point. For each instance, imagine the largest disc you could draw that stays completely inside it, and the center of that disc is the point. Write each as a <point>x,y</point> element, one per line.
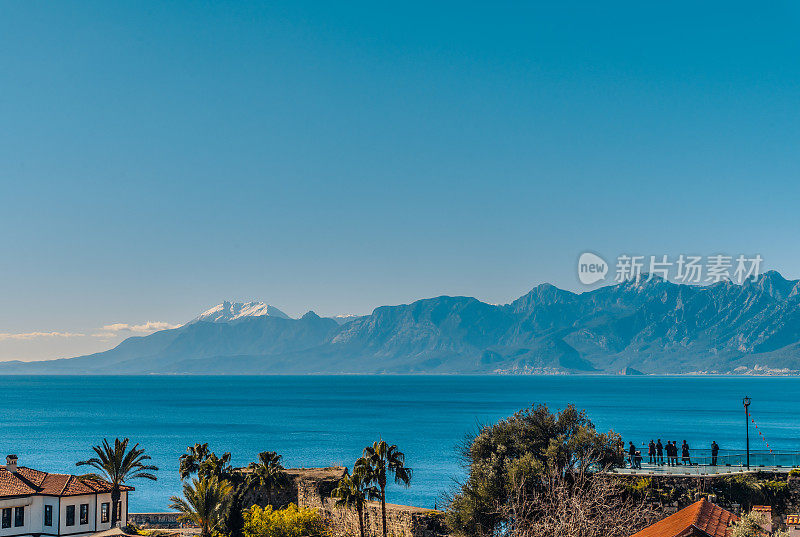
<point>27,481</point>
<point>702,518</point>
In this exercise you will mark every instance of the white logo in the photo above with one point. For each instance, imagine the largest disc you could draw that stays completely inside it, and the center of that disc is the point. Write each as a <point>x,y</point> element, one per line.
<point>591,268</point>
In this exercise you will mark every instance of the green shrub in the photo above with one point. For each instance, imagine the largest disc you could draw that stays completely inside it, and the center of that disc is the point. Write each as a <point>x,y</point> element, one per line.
<point>290,522</point>
<point>642,484</point>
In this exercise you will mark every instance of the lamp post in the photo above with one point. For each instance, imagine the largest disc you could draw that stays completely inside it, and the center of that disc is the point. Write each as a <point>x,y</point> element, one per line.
<point>746,403</point>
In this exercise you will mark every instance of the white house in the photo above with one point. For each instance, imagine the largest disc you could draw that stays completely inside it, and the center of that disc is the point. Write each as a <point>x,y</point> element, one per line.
<point>39,504</point>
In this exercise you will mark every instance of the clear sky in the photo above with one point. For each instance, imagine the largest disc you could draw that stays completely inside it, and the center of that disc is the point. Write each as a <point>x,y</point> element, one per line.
<point>157,158</point>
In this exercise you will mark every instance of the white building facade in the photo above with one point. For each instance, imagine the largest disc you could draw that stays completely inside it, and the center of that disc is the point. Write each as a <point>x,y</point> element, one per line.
<point>40,504</point>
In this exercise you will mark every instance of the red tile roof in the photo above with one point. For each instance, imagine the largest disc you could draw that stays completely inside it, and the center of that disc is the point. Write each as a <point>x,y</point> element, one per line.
<point>793,519</point>
<point>701,519</point>
<point>27,482</point>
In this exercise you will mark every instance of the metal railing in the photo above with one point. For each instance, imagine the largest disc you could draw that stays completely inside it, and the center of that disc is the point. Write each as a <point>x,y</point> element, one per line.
<point>701,461</point>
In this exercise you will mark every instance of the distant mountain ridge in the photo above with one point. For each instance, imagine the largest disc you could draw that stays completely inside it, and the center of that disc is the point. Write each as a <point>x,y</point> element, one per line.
<point>647,326</point>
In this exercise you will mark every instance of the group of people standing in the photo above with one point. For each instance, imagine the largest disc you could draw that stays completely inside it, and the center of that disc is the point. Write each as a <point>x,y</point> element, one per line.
<point>656,451</point>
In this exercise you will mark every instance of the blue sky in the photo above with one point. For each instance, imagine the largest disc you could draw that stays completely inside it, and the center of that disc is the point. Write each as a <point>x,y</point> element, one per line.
<point>156,159</point>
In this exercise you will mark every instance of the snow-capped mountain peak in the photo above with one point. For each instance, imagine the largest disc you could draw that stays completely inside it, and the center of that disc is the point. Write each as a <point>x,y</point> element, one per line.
<point>344,319</point>
<point>232,311</point>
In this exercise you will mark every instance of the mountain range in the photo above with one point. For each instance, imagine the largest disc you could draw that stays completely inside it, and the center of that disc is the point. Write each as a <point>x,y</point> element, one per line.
<point>650,326</point>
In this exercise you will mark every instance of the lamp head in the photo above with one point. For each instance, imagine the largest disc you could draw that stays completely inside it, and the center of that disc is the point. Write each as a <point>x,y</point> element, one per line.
<point>746,401</point>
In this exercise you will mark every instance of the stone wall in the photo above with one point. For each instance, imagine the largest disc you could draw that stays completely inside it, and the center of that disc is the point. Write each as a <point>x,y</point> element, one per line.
<point>312,487</point>
<point>401,520</point>
<point>154,520</point>
<point>301,482</point>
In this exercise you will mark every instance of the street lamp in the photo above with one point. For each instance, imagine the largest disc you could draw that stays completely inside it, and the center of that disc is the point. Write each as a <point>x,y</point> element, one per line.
<point>746,403</point>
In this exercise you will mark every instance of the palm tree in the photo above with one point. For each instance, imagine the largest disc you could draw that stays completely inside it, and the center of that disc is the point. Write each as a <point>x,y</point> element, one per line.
<point>267,473</point>
<point>381,459</point>
<point>119,464</point>
<point>189,462</point>
<point>214,466</point>
<point>204,503</point>
<point>354,491</point>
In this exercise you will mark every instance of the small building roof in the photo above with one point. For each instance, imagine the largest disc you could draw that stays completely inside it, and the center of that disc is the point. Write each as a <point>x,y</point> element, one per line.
<point>701,519</point>
<point>27,482</point>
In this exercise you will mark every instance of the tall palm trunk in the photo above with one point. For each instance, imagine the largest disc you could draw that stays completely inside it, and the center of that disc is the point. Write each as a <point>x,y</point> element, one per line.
<point>360,509</point>
<point>383,507</point>
<point>115,494</point>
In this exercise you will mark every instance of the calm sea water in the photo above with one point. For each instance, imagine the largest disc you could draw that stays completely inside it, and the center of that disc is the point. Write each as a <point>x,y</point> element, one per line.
<point>51,422</point>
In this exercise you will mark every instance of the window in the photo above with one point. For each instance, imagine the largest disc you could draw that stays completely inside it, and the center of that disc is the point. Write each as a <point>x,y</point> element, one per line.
<point>48,515</point>
<point>7,518</point>
<point>19,517</point>
<point>104,512</point>
<point>84,513</point>
<point>70,515</point>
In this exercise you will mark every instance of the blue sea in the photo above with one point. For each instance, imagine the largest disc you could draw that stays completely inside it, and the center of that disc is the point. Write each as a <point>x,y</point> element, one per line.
<point>52,422</point>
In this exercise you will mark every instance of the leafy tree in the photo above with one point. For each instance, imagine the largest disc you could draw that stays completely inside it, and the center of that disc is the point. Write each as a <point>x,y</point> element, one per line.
<point>205,503</point>
<point>753,524</point>
<point>289,522</point>
<point>267,473</point>
<point>119,464</point>
<point>531,451</point>
<point>354,491</point>
<point>381,459</point>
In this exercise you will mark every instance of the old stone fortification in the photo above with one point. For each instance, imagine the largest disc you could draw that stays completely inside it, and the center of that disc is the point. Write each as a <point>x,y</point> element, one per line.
<point>312,487</point>
<point>154,520</point>
<point>737,492</point>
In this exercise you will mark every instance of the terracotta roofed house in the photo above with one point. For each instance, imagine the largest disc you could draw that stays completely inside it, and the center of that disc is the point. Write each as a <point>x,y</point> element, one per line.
<point>35,503</point>
<point>793,525</point>
<point>701,519</point>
